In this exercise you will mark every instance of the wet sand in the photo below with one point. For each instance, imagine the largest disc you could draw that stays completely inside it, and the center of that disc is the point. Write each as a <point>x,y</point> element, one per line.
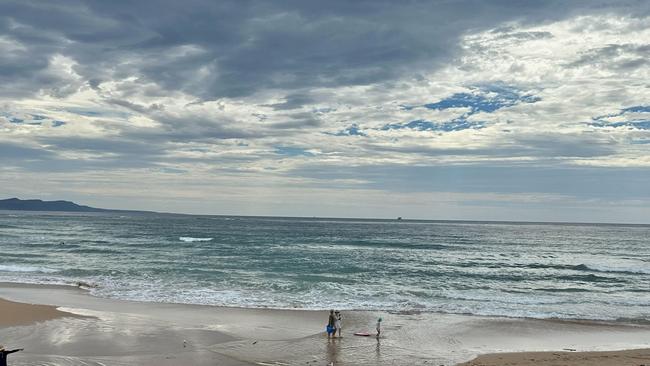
<point>14,313</point>
<point>114,332</point>
<point>613,358</point>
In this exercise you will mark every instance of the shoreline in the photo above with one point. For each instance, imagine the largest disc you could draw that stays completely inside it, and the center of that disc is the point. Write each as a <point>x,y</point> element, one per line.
<point>124,332</point>
<point>86,289</point>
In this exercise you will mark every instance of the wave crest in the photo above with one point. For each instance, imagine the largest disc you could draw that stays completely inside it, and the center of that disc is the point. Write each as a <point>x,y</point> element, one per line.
<point>17,268</point>
<point>606,269</point>
<point>189,239</point>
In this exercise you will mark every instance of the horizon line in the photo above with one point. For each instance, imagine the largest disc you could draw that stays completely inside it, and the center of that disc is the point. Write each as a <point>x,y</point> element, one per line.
<point>396,219</point>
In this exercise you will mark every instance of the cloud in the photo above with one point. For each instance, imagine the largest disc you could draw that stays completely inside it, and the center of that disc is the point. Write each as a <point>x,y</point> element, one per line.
<point>234,49</point>
<point>617,56</point>
<point>12,154</point>
<point>292,101</point>
<point>269,92</point>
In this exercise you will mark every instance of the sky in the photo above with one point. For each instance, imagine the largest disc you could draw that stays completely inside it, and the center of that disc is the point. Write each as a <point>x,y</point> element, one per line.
<point>471,110</point>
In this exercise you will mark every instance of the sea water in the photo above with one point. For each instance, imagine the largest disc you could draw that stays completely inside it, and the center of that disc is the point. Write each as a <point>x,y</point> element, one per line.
<point>574,271</point>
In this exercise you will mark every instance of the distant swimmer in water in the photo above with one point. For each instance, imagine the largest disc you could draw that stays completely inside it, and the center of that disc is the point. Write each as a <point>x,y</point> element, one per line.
<point>331,325</point>
<point>378,327</point>
<point>4,353</point>
<point>337,322</point>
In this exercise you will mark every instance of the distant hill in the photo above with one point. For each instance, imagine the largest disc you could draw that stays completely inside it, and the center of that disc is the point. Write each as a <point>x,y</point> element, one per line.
<point>40,205</point>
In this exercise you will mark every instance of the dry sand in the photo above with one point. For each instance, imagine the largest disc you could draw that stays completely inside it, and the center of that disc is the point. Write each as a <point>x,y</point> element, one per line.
<point>114,332</point>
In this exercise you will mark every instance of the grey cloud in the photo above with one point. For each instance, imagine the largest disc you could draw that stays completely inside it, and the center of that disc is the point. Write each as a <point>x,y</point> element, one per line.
<point>117,152</point>
<point>117,146</point>
<point>190,127</point>
<point>566,145</point>
<point>48,159</point>
<point>11,153</point>
<point>157,144</point>
<point>292,101</point>
<point>134,106</point>
<point>187,128</point>
<point>604,183</point>
<point>542,146</point>
<point>297,120</point>
<point>523,36</point>
<point>633,64</point>
<point>246,46</point>
<point>619,56</point>
<point>23,69</point>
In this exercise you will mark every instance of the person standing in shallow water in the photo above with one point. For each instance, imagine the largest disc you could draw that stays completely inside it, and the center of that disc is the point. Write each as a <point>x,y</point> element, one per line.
<point>331,325</point>
<point>378,327</point>
<point>337,322</point>
<point>4,353</point>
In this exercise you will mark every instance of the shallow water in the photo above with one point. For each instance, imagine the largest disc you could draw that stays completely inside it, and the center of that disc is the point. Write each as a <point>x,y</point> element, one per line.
<point>505,269</point>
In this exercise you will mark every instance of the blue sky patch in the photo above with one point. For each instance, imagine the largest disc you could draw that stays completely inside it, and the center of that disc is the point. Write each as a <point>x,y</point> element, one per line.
<point>488,98</point>
<point>639,124</point>
<point>292,151</point>
<point>352,130</point>
<point>423,125</point>
<point>57,123</point>
<point>23,121</point>
<point>482,98</point>
<point>636,109</point>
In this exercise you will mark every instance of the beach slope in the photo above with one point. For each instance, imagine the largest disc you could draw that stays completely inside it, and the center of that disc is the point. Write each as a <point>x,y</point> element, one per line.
<point>71,327</point>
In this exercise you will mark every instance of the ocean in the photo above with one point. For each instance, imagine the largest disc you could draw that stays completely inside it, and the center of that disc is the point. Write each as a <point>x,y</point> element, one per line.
<point>567,271</point>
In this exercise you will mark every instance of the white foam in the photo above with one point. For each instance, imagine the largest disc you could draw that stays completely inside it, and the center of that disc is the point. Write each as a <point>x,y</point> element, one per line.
<point>190,239</point>
<point>19,268</point>
<point>619,266</point>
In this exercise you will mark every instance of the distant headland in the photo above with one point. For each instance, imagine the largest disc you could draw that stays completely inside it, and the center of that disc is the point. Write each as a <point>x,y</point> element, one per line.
<point>16,204</point>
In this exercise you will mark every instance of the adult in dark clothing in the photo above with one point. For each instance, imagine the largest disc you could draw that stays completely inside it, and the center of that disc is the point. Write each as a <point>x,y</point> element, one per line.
<point>4,353</point>
<point>331,325</point>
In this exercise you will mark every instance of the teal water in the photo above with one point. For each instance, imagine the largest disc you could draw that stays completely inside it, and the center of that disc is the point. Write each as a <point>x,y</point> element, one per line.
<point>505,269</point>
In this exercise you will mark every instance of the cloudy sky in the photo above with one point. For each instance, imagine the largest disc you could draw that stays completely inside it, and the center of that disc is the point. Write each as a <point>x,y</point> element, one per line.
<point>502,110</point>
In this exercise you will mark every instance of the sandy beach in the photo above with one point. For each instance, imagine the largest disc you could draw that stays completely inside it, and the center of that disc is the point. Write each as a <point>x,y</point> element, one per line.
<point>15,313</point>
<point>70,327</point>
<point>637,357</point>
